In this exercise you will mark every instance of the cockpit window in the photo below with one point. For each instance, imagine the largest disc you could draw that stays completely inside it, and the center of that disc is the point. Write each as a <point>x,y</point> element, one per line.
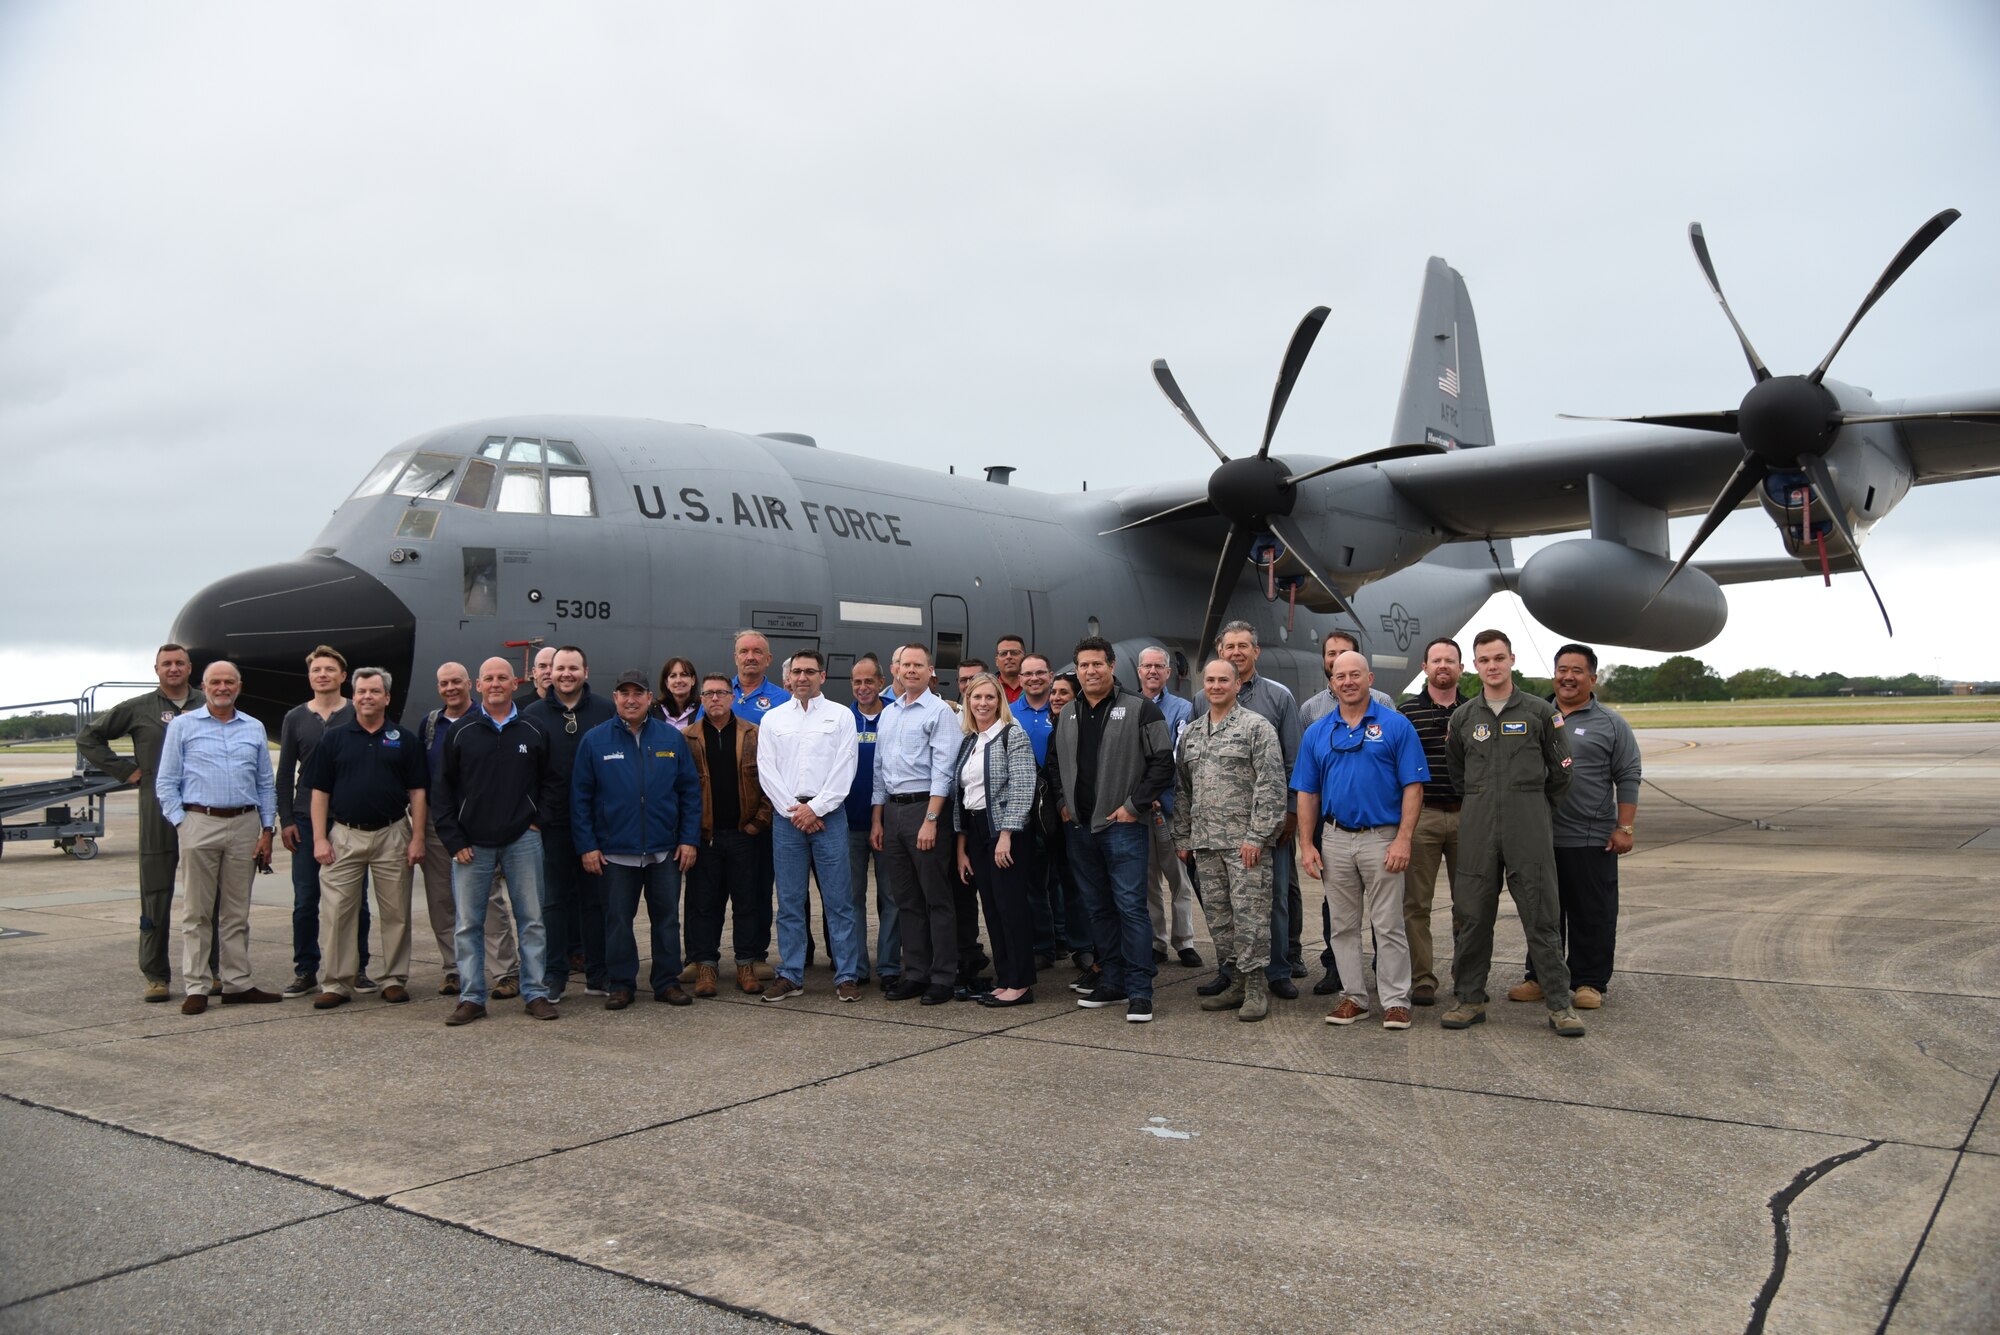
<point>494,447</point>
<point>521,491</point>
<point>569,493</point>
<point>428,476</point>
<point>564,452</point>
<point>524,451</point>
<point>476,487</point>
<point>384,473</point>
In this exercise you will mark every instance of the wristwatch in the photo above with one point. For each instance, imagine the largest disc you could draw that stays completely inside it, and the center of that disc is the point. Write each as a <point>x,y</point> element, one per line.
<point>930,815</point>
<point>1624,829</point>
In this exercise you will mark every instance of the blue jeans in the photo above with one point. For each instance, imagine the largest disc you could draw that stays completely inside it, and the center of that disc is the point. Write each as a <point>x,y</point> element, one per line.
<point>1110,871</point>
<point>826,854</point>
<point>888,922</point>
<point>471,884</point>
<point>1284,875</point>
<point>660,886</point>
<point>305,908</point>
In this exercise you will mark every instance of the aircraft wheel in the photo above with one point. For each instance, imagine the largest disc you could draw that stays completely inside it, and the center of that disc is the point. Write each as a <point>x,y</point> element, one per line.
<point>83,849</point>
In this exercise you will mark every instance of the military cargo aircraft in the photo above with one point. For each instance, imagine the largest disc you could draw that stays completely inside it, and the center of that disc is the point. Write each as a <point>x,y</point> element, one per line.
<point>638,539</point>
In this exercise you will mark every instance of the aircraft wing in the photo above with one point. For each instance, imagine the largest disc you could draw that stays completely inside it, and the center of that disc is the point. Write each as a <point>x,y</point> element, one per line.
<point>1519,491</point>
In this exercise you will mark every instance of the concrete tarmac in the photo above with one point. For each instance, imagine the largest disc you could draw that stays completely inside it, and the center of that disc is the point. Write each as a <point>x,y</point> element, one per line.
<point>1782,1118</point>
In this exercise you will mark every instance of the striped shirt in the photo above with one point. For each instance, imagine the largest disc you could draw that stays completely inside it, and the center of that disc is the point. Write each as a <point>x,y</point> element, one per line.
<point>1430,720</point>
<point>215,764</point>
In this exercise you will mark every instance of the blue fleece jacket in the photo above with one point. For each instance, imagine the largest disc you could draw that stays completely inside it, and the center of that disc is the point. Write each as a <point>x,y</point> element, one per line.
<point>634,795</point>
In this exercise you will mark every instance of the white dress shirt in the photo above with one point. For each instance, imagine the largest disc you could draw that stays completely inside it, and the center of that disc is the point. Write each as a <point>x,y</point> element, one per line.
<point>807,751</point>
<point>972,776</point>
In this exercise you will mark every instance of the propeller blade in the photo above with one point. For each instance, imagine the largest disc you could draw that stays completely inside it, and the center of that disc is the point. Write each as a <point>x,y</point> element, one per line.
<point>1724,422</point>
<point>1964,415</point>
<point>1165,378</point>
<point>1235,550</point>
<point>1295,542</point>
<point>1382,455</point>
<point>1822,480</point>
<point>1700,244</point>
<point>1918,243</point>
<point>1199,506</point>
<point>1747,475</point>
<point>1288,370</point>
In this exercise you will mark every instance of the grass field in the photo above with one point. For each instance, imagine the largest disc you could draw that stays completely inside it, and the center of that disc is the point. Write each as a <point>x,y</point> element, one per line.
<point>1837,709</point>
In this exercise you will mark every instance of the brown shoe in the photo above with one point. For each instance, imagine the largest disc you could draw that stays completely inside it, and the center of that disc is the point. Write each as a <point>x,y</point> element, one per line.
<point>848,991</point>
<point>251,996</point>
<point>672,995</point>
<point>704,980</point>
<point>326,1001</point>
<point>194,1004</point>
<point>1587,999</point>
<point>765,973</point>
<point>746,979</point>
<point>1423,994</point>
<point>618,1000</point>
<point>395,994</point>
<point>1347,1012</point>
<point>157,992</point>
<point>691,973</point>
<point>779,989</point>
<point>449,987</point>
<point>1526,991</point>
<point>465,1013</point>
<point>1396,1017</point>
<point>541,1008</point>
<point>507,989</point>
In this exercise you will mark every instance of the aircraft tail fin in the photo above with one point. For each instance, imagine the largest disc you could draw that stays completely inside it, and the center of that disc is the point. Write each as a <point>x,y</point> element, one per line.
<point>1444,390</point>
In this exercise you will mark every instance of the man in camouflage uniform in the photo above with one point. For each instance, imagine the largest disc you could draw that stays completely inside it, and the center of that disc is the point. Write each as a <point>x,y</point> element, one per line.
<point>144,719</point>
<point>1229,803</point>
<point>1507,754</point>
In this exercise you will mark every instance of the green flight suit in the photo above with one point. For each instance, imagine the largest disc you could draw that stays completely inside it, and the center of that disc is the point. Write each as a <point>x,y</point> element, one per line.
<point>144,719</point>
<point>1513,766</point>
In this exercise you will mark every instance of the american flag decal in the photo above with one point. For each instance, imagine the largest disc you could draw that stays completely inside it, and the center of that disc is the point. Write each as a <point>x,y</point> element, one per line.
<point>1448,382</point>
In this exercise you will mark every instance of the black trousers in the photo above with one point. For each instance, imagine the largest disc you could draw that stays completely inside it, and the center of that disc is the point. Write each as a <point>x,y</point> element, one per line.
<point>725,876</point>
<point>1004,891</point>
<point>1587,881</point>
<point>920,881</point>
<point>572,907</point>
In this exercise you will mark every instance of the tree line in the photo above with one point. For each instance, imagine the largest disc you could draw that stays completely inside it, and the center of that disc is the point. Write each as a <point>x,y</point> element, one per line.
<point>1684,677</point>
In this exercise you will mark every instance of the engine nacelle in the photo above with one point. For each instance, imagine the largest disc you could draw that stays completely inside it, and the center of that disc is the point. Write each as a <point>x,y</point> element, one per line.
<point>1597,592</point>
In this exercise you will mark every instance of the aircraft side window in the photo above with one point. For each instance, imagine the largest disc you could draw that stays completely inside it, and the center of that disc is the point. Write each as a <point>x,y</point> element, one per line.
<point>378,481</point>
<point>428,476</point>
<point>482,582</point>
<point>570,494</point>
<point>418,524</point>
<point>564,452</point>
<point>524,451</point>
<point>521,491</point>
<point>476,487</point>
<point>494,447</point>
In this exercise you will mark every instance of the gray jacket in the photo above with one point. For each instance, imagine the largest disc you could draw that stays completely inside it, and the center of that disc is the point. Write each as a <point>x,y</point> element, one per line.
<point>1605,773</point>
<point>1135,758</point>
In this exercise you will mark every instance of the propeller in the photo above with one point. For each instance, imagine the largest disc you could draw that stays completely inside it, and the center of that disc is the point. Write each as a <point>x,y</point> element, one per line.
<point>1256,493</point>
<point>1788,423</point>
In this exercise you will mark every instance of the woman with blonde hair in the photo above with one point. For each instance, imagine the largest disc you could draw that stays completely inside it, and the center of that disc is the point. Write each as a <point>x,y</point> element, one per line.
<point>992,791</point>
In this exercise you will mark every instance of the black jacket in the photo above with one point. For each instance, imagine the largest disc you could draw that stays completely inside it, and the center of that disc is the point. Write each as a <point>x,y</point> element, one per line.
<point>548,714</point>
<point>494,783</point>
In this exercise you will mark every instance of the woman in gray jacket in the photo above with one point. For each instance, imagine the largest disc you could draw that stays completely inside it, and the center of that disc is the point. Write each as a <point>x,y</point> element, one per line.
<point>992,791</point>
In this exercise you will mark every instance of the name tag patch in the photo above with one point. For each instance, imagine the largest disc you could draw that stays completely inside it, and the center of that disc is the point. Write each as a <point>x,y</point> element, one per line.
<point>615,755</point>
<point>1513,730</point>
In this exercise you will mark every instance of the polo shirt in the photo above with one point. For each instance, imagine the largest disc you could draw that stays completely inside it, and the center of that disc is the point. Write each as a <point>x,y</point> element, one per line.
<point>368,776</point>
<point>751,706</point>
<point>1360,772</point>
<point>1432,720</point>
<point>861,794</point>
<point>1037,723</point>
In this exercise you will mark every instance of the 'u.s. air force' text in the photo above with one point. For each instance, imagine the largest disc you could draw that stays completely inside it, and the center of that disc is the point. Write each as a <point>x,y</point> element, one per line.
<point>841,521</point>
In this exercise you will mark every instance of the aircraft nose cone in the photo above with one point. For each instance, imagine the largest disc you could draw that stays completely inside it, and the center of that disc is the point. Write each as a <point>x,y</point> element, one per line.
<point>267,620</point>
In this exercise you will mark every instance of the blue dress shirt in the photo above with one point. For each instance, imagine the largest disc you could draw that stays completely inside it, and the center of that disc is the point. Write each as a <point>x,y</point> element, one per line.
<point>215,764</point>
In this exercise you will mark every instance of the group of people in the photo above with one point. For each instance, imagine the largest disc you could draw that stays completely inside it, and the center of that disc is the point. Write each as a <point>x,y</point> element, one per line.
<point>1077,817</point>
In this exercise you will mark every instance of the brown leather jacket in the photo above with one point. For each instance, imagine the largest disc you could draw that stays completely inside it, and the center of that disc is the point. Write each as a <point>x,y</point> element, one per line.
<point>749,793</point>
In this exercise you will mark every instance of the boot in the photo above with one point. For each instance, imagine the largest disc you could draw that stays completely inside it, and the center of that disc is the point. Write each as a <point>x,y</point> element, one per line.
<point>1256,1000</point>
<point>1230,997</point>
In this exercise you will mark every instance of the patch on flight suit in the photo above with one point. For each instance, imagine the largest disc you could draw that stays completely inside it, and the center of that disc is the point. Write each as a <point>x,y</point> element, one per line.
<point>1480,732</point>
<point>1558,720</point>
<point>1513,730</point>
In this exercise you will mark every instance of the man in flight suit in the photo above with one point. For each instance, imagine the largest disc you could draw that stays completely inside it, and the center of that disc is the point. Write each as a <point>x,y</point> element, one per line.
<point>144,719</point>
<point>1508,756</point>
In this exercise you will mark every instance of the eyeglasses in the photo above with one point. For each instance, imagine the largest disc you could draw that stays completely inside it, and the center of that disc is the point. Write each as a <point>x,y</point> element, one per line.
<point>569,722</point>
<point>718,693</point>
<point>808,672</point>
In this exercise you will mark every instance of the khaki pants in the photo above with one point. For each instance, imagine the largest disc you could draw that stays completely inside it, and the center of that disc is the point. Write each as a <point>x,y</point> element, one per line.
<point>503,952</point>
<point>361,856</point>
<point>1435,840</point>
<point>1168,890</point>
<point>1360,892</point>
<point>216,870</point>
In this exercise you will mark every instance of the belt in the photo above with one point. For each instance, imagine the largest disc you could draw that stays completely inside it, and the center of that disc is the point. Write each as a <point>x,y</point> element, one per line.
<point>1360,829</point>
<point>1437,805</point>
<point>224,812</point>
<point>365,827</point>
<point>909,797</point>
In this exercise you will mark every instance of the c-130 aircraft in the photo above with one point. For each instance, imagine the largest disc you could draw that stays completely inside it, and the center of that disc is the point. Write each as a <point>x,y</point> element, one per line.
<point>640,539</point>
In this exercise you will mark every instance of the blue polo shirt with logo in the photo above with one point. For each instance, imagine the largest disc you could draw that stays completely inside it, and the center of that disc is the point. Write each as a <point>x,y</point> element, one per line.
<point>1360,772</point>
<point>1038,724</point>
<point>751,706</point>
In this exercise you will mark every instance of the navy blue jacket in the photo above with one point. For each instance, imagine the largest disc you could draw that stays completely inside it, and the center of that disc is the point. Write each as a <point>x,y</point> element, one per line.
<point>548,714</point>
<point>634,796</point>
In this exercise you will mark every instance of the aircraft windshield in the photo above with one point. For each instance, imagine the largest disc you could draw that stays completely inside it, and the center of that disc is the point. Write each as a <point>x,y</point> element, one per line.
<point>428,476</point>
<point>378,481</point>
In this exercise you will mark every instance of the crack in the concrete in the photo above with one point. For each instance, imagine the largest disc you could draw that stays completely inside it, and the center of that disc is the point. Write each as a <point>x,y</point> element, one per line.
<point>1937,1208</point>
<point>1781,1230</point>
<point>1924,1046</point>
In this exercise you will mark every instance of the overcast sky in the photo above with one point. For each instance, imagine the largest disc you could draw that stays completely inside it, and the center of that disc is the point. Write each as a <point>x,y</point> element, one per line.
<point>245,248</point>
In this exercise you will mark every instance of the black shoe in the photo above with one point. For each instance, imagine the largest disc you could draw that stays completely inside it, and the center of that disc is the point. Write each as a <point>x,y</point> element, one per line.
<point>1102,997</point>
<point>1284,989</point>
<point>1159,956</point>
<point>903,989</point>
<point>1139,1010</point>
<point>1045,961</point>
<point>1327,986</point>
<point>889,980</point>
<point>1025,999</point>
<point>1087,982</point>
<point>1214,987</point>
<point>1189,959</point>
<point>1298,968</point>
<point>937,996</point>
